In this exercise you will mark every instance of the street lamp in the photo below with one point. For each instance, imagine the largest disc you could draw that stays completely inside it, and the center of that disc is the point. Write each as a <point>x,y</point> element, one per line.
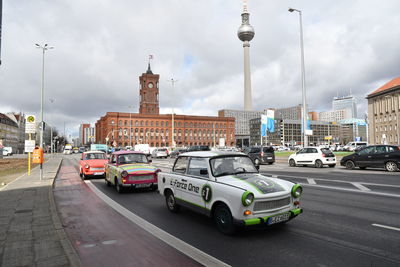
<point>51,130</point>
<point>44,48</point>
<point>303,79</point>
<point>172,81</point>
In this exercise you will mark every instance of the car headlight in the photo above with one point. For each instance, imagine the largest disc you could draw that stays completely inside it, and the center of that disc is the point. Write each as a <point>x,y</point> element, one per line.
<point>247,198</point>
<point>124,174</point>
<point>297,190</point>
<point>87,166</point>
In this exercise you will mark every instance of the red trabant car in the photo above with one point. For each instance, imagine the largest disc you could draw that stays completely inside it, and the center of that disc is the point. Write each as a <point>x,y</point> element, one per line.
<point>130,169</point>
<point>92,164</point>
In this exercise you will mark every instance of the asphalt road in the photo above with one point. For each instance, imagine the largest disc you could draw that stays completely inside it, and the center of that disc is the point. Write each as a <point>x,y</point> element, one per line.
<point>340,226</point>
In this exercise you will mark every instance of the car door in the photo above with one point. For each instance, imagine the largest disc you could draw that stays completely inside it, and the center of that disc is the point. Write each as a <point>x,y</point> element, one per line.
<point>380,156</point>
<point>197,178</point>
<point>364,157</point>
<point>312,155</point>
<point>109,168</point>
<point>300,156</point>
<point>179,180</point>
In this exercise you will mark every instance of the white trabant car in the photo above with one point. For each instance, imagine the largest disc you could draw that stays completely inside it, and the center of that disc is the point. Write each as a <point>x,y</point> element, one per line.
<point>228,187</point>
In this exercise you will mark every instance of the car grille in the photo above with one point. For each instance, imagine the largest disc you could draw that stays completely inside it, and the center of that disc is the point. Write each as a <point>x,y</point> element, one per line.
<point>271,204</point>
<point>97,169</point>
<point>141,177</point>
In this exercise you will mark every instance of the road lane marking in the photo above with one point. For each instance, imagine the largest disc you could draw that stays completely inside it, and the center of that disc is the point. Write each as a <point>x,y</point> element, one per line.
<point>192,252</point>
<point>387,227</point>
<point>311,181</point>
<point>352,190</point>
<point>361,187</point>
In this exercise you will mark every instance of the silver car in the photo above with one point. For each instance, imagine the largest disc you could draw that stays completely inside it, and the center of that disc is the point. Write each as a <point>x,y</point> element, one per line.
<point>160,153</point>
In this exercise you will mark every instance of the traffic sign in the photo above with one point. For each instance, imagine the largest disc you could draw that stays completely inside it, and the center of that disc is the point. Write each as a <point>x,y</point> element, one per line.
<point>30,124</point>
<point>29,145</point>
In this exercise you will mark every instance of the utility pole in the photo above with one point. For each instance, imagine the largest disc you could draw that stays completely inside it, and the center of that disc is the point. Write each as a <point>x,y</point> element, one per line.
<point>172,81</point>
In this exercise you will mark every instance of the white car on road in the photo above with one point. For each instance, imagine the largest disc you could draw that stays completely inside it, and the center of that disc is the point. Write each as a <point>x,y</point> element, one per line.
<point>228,187</point>
<point>314,156</point>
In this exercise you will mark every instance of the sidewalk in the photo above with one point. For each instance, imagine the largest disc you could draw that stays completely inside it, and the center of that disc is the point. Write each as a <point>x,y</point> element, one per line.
<point>30,229</point>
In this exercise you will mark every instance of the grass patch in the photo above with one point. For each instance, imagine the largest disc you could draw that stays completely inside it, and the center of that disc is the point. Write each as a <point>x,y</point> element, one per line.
<point>14,166</point>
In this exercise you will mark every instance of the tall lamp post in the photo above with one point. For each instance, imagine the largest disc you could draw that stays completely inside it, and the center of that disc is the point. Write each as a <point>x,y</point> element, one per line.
<point>303,80</point>
<point>44,48</point>
<point>172,81</point>
<point>51,131</point>
<point>130,126</point>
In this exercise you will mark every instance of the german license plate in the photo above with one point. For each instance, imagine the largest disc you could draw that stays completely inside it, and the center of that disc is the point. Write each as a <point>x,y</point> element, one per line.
<point>99,173</point>
<point>278,218</point>
<point>269,157</point>
<point>142,185</point>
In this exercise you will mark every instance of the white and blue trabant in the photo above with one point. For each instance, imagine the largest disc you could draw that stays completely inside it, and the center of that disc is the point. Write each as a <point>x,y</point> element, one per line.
<point>228,187</point>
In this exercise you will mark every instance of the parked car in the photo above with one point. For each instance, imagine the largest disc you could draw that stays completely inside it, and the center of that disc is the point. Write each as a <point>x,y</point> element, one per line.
<point>228,187</point>
<point>351,146</point>
<point>314,156</point>
<point>82,149</point>
<point>260,156</point>
<point>379,156</point>
<point>160,153</point>
<point>7,151</point>
<point>130,169</point>
<point>92,164</point>
<point>177,152</point>
<point>198,148</point>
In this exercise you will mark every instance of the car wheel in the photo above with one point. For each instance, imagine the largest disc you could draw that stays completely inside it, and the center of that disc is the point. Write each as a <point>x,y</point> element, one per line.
<point>350,165</point>
<point>257,162</point>
<point>171,202</point>
<point>292,163</point>
<point>223,219</point>
<point>118,187</point>
<point>80,173</point>
<point>391,166</point>
<point>270,163</point>
<point>107,182</point>
<point>318,164</point>
<point>332,165</point>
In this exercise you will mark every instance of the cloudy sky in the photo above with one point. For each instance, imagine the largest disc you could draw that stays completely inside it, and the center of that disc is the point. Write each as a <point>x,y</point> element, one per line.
<point>101,47</point>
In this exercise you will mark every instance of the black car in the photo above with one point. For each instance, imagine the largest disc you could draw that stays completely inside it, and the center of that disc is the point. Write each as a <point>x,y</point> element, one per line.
<point>260,156</point>
<point>379,156</point>
<point>177,151</point>
<point>198,148</point>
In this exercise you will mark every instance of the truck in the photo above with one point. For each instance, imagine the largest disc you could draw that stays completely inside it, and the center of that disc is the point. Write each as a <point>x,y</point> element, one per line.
<point>99,147</point>
<point>7,151</point>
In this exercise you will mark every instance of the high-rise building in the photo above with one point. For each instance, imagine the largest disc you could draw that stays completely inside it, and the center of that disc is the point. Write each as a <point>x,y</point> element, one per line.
<point>334,115</point>
<point>346,102</point>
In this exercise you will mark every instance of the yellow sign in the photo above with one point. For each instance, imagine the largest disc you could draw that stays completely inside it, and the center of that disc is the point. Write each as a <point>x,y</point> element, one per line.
<point>328,137</point>
<point>31,119</point>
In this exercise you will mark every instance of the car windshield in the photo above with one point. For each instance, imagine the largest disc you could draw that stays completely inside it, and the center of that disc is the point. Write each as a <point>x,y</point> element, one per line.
<point>96,156</point>
<point>232,165</point>
<point>132,158</point>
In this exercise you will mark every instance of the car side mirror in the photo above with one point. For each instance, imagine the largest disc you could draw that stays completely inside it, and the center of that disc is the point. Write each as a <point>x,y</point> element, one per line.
<point>203,172</point>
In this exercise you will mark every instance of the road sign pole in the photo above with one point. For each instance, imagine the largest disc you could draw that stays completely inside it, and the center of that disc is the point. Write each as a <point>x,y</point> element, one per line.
<point>29,159</point>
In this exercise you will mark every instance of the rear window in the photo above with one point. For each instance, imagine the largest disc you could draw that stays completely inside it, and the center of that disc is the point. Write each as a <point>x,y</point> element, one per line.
<point>326,151</point>
<point>162,149</point>
<point>255,150</point>
<point>268,149</point>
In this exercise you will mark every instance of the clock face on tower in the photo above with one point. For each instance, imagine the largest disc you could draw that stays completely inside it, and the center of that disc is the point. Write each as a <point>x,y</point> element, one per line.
<point>150,85</point>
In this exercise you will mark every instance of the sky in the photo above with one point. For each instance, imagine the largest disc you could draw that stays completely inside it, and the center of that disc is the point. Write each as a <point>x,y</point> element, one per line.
<point>101,47</point>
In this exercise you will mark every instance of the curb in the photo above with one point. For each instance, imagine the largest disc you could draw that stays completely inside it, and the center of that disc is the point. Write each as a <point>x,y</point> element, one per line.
<point>71,253</point>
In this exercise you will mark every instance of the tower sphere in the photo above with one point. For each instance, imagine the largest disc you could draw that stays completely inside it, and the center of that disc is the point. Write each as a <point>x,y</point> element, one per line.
<point>245,32</point>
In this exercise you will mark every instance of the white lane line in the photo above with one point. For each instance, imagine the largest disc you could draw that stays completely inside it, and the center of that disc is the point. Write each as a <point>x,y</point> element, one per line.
<point>351,190</point>
<point>361,187</point>
<point>311,181</point>
<point>385,226</point>
<point>192,252</point>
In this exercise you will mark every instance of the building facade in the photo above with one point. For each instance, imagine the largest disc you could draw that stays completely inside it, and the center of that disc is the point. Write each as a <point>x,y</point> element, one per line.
<point>242,123</point>
<point>334,115</point>
<point>20,120</point>
<point>150,127</point>
<point>9,132</point>
<point>383,114</point>
<point>86,134</point>
<point>345,102</point>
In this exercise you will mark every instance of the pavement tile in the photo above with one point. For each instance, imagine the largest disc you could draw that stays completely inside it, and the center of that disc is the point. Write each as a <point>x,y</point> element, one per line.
<point>59,261</point>
<point>25,235</point>
<point>18,253</point>
<point>47,249</point>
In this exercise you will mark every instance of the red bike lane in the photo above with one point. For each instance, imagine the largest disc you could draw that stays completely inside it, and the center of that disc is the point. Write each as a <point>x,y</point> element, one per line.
<point>103,237</point>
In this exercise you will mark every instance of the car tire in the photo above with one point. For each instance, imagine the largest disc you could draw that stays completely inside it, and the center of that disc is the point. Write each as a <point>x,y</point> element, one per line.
<point>270,163</point>
<point>171,202</point>
<point>80,173</point>
<point>223,220</point>
<point>391,166</point>
<point>350,165</point>
<point>318,164</point>
<point>292,163</point>
<point>332,165</point>
<point>118,187</point>
<point>107,182</point>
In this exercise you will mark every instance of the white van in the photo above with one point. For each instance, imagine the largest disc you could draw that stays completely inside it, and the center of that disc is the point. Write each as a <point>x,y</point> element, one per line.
<point>145,148</point>
<point>351,146</point>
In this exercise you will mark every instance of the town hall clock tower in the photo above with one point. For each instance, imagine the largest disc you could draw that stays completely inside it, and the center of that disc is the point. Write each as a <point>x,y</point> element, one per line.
<point>149,93</point>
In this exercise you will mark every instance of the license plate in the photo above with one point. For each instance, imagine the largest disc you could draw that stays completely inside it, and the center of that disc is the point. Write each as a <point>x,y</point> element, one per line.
<point>269,157</point>
<point>142,185</point>
<point>99,173</point>
<point>279,218</point>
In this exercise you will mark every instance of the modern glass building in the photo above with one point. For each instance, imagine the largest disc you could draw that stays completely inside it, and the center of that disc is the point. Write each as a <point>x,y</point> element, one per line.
<point>347,103</point>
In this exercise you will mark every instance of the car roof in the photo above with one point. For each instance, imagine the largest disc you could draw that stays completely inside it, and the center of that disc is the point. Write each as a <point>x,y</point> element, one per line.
<point>121,152</point>
<point>209,154</point>
<point>93,151</point>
